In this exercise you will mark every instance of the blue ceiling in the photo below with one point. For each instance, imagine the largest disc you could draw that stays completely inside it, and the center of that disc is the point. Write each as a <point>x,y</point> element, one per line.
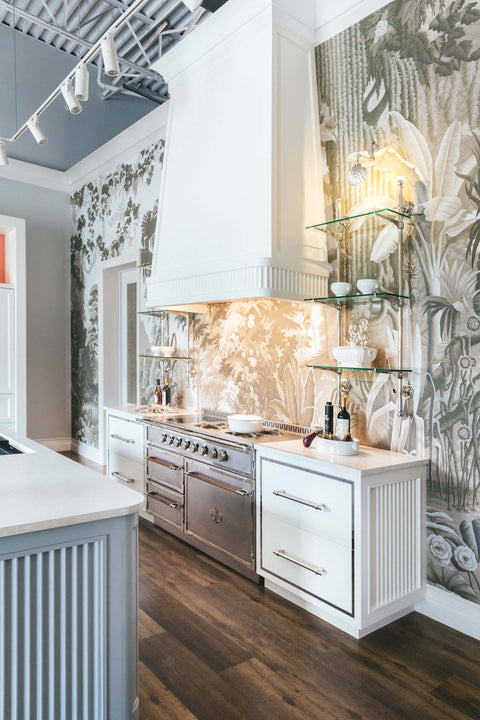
<point>39,69</point>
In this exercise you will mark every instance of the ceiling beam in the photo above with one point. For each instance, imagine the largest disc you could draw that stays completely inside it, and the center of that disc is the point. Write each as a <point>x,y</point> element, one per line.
<point>147,72</point>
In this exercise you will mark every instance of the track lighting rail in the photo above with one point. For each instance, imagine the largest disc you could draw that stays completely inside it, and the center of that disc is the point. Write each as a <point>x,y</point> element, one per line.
<point>88,57</point>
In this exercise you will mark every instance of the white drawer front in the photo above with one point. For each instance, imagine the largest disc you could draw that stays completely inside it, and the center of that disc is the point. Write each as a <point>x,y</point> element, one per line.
<point>308,500</point>
<point>7,408</point>
<point>125,438</point>
<point>127,472</point>
<point>298,557</point>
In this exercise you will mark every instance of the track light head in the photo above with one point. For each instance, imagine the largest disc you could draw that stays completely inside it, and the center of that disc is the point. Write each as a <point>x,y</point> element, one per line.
<point>81,82</point>
<point>69,97</point>
<point>3,154</point>
<point>36,130</point>
<point>192,5</point>
<point>109,54</point>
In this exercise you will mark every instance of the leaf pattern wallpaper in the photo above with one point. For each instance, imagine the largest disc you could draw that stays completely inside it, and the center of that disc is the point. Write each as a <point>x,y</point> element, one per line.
<point>407,78</point>
<point>111,216</point>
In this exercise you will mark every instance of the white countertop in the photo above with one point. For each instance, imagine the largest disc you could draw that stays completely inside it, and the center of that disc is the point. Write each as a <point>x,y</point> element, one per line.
<point>41,489</point>
<point>369,460</point>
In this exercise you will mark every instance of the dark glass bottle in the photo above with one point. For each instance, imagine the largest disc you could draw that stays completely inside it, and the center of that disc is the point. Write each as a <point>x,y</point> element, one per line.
<point>328,419</point>
<point>158,393</point>
<point>166,394</point>
<point>343,420</point>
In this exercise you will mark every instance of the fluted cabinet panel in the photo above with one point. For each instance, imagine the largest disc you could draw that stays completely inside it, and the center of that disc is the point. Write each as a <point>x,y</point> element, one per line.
<point>52,633</point>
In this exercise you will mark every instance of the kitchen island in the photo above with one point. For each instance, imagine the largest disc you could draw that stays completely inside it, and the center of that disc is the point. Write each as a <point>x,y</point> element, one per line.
<point>68,589</point>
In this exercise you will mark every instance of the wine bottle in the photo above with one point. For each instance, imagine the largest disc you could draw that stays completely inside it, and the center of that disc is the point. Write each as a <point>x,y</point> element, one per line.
<point>343,420</point>
<point>158,393</point>
<point>328,419</point>
<point>166,394</point>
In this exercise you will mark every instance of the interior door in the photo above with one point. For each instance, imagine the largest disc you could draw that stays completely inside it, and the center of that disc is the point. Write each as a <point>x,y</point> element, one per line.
<point>128,336</point>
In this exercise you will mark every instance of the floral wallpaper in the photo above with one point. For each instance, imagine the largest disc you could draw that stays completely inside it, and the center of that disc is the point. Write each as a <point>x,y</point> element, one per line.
<point>111,216</point>
<point>408,108</point>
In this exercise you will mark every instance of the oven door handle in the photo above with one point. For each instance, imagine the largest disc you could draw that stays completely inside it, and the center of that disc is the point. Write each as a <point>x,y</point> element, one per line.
<point>154,496</point>
<point>244,493</point>
<point>163,463</point>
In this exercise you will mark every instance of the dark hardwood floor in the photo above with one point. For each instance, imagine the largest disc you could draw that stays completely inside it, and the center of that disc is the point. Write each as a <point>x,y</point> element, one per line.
<point>215,646</point>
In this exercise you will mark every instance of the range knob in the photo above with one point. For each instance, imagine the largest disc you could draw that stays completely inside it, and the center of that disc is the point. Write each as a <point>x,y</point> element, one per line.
<point>169,439</point>
<point>194,447</point>
<point>223,456</point>
<point>177,442</point>
<point>213,453</point>
<point>164,438</point>
<point>204,450</point>
<point>185,444</point>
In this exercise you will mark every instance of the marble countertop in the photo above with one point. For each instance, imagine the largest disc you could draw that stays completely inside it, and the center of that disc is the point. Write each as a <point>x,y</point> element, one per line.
<point>41,489</point>
<point>369,460</point>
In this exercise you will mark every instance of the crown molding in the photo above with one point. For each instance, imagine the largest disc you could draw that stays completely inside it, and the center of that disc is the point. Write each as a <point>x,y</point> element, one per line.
<point>105,158</point>
<point>32,174</point>
<point>333,18</point>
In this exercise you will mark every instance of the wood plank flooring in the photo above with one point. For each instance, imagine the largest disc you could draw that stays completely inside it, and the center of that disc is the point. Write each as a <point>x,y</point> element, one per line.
<point>215,646</point>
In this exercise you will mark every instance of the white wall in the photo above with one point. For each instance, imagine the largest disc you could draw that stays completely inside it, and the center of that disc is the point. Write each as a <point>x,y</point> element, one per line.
<point>48,227</point>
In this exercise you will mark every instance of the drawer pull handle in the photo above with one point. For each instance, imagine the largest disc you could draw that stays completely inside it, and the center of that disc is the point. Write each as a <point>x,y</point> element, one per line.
<point>242,492</point>
<point>174,506</point>
<point>125,440</point>
<point>312,568</point>
<point>163,463</point>
<point>315,506</point>
<point>122,477</point>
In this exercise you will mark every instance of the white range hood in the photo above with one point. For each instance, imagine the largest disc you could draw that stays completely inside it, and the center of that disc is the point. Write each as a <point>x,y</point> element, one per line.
<point>242,169</point>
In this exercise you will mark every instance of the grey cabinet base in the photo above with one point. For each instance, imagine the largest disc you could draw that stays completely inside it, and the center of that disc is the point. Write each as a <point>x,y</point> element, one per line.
<point>68,622</point>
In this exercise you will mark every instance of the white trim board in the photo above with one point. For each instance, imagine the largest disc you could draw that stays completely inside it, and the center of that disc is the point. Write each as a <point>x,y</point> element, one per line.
<point>58,444</point>
<point>135,138</point>
<point>87,451</point>
<point>451,610</point>
<point>333,18</point>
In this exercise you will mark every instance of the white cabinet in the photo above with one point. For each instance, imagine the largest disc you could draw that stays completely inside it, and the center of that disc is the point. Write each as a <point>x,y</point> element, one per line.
<point>7,356</point>
<point>125,458</point>
<point>342,538</point>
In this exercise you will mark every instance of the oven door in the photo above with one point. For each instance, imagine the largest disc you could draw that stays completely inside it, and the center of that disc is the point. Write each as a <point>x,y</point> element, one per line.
<point>220,510</point>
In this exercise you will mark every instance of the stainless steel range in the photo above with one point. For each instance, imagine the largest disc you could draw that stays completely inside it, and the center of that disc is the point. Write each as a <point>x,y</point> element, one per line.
<point>201,485</point>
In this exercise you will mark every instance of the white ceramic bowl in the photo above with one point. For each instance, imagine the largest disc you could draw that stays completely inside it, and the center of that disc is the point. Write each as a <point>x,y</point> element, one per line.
<point>163,350</point>
<point>340,288</point>
<point>367,286</point>
<point>245,423</point>
<point>337,447</point>
<point>357,356</point>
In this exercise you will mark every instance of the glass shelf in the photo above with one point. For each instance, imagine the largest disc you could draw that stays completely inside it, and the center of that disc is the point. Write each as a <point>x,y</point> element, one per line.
<point>354,299</point>
<point>348,224</point>
<point>164,357</point>
<point>337,368</point>
<point>159,313</point>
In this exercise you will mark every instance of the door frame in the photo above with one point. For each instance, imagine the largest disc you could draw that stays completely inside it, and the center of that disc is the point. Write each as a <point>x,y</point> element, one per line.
<point>14,230</point>
<point>108,294</point>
